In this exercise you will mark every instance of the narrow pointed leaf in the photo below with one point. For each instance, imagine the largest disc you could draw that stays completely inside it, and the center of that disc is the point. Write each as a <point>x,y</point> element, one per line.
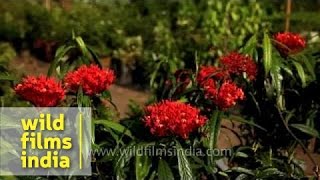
<point>115,126</point>
<point>183,163</point>
<point>142,166</point>
<point>250,46</point>
<point>60,53</point>
<point>242,170</point>
<point>95,57</point>
<point>306,129</point>
<point>164,171</point>
<point>301,72</point>
<point>267,58</point>
<point>241,120</point>
<point>269,173</point>
<point>214,128</point>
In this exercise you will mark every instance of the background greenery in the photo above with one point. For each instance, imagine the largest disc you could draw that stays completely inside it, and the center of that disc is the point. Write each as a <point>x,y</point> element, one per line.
<point>140,32</point>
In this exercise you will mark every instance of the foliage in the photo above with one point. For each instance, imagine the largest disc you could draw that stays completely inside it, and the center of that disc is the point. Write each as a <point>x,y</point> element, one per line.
<point>172,41</point>
<point>284,82</point>
<point>139,32</point>
<point>275,120</point>
<point>6,53</point>
<point>130,136</point>
<point>227,26</point>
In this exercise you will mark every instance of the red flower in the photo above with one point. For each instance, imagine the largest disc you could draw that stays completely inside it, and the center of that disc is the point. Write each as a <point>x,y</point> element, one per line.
<point>208,72</point>
<point>225,95</point>
<point>91,78</point>
<point>173,118</point>
<point>236,63</point>
<point>41,91</point>
<point>228,95</point>
<point>289,43</point>
<point>210,88</point>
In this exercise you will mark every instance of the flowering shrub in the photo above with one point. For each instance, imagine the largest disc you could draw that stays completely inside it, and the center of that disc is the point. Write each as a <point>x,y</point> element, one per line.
<point>289,43</point>
<point>280,103</point>
<point>173,118</point>
<point>257,85</point>
<point>92,79</point>
<point>41,91</point>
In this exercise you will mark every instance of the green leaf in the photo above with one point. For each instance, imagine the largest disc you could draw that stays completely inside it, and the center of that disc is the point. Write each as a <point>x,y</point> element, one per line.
<point>287,70</point>
<point>142,165</point>
<point>241,154</point>
<point>301,72</point>
<point>8,123</point>
<point>154,74</point>
<point>164,171</point>
<point>80,97</point>
<point>214,128</point>
<point>7,77</point>
<point>6,147</point>
<point>241,120</point>
<point>106,95</point>
<point>306,129</point>
<point>83,100</point>
<point>250,46</point>
<point>60,53</point>
<point>242,170</point>
<point>173,65</point>
<point>153,175</point>
<point>267,48</point>
<point>7,177</point>
<point>95,57</point>
<point>122,158</point>
<point>6,174</point>
<point>221,173</point>
<point>183,163</point>
<point>269,172</point>
<point>242,177</point>
<point>276,76</point>
<point>308,62</point>
<point>115,126</point>
<point>310,67</point>
<point>93,133</point>
<point>83,49</point>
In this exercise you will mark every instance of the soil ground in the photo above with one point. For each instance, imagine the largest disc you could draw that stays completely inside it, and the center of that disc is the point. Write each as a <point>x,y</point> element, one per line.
<point>26,64</point>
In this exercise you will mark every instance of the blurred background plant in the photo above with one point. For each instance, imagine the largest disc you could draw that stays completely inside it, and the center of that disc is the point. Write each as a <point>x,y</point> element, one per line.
<point>171,31</point>
<point>7,53</point>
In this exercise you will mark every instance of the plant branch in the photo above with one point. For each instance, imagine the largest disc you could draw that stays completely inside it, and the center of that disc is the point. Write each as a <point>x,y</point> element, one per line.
<point>316,167</point>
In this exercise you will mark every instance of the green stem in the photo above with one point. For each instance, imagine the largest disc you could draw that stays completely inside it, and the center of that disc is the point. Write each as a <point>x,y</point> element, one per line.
<point>215,123</point>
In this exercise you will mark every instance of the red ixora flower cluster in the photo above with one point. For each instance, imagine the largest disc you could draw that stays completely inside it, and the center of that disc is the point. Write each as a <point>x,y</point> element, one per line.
<point>92,79</point>
<point>228,94</point>
<point>236,63</point>
<point>211,72</point>
<point>173,118</point>
<point>41,91</point>
<point>218,87</point>
<point>289,43</point>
